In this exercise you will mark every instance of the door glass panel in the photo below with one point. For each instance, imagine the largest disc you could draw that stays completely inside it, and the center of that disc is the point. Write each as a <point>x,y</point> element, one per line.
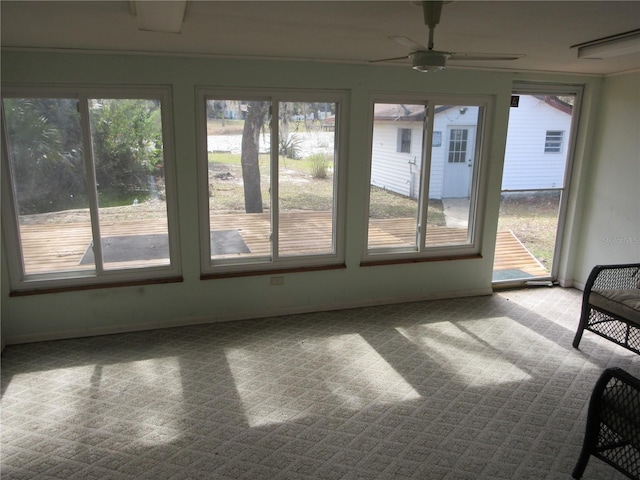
<point>453,170</point>
<point>533,187</point>
<point>238,150</point>
<point>395,175</point>
<point>306,158</point>
<point>46,159</point>
<point>128,155</point>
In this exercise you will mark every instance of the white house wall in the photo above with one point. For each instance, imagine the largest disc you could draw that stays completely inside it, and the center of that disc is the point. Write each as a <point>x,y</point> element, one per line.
<point>391,170</point>
<point>526,165</point>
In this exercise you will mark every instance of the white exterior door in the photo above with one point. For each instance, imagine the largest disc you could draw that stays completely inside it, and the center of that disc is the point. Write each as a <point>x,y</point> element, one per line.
<point>458,168</point>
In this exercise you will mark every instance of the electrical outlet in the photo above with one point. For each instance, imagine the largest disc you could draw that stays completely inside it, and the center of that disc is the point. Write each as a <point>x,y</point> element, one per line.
<point>276,281</point>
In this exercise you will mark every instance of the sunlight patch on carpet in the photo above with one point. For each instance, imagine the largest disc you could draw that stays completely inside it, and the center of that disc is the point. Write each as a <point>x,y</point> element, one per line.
<point>345,368</point>
<point>475,353</point>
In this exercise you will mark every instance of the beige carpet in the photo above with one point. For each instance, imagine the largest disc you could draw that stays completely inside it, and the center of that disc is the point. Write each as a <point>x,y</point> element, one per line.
<point>474,388</point>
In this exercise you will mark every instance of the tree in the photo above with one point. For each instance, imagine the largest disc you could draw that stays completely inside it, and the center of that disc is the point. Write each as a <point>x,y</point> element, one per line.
<point>45,150</point>
<point>127,140</point>
<point>254,121</point>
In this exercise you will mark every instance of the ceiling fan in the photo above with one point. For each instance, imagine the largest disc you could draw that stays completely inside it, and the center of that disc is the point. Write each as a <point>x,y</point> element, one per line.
<point>430,60</point>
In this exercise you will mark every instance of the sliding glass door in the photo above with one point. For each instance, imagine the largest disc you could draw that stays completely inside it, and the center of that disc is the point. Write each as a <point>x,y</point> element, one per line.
<point>535,180</point>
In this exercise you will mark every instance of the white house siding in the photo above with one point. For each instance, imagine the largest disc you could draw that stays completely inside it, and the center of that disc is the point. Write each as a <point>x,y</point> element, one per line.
<point>526,165</point>
<point>391,170</point>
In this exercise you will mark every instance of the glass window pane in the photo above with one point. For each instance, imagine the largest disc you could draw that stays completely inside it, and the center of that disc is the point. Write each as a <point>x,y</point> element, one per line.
<point>238,146</point>
<point>306,186</point>
<point>395,176</point>
<point>453,173</point>
<point>47,166</point>
<point>128,156</point>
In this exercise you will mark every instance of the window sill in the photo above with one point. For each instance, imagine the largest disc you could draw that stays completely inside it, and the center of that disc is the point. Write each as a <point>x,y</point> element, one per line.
<point>92,286</point>
<point>401,261</point>
<point>271,271</point>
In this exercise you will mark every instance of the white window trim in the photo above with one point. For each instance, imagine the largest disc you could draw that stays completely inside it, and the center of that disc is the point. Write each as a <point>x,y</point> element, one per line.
<point>272,262</point>
<point>478,186</point>
<point>21,282</point>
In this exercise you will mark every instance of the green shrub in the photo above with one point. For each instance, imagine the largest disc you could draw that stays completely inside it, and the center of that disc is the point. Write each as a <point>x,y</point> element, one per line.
<point>290,146</point>
<point>319,166</point>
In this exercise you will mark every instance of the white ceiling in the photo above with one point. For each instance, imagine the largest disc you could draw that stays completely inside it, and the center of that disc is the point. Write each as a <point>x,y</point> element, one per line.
<point>336,31</point>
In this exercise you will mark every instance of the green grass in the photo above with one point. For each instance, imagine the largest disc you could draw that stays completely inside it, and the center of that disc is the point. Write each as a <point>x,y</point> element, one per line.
<point>117,199</point>
<point>386,204</point>
<point>301,190</point>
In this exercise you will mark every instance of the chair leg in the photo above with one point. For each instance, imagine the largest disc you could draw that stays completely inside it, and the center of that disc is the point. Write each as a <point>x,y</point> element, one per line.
<point>584,319</point>
<point>578,337</point>
<point>581,464</point>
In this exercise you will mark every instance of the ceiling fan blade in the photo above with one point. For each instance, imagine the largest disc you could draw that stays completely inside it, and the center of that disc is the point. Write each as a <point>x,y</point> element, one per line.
<point>407,42</point>
<point>389,59</point>
<point>484,56</point>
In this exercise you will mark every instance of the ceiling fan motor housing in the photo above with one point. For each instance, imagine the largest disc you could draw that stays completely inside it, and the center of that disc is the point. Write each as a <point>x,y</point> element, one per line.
<point>429,61</point>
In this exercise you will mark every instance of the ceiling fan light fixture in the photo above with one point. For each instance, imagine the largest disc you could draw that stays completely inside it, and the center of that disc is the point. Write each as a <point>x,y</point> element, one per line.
<point>429,61</point>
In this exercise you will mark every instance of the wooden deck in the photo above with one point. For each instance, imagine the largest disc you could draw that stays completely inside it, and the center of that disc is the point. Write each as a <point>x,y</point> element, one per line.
<point>60,247</point>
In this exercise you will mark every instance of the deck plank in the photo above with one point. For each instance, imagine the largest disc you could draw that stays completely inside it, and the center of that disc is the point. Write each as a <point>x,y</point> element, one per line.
<point>57,247</point>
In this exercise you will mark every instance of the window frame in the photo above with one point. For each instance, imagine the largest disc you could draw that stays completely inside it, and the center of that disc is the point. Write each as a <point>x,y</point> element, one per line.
<point>422,252</point>
<point>274,261</point>
<point>26,283</point>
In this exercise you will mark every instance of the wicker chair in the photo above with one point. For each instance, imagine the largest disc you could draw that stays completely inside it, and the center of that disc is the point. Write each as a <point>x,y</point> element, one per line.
<point>613,424</point>
<point>611,305</point>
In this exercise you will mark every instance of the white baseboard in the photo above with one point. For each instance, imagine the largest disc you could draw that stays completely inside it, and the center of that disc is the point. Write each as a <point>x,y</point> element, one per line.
<point>182,322</point>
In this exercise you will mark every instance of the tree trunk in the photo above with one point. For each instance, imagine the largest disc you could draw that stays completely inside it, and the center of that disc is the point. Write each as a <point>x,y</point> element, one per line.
<point>256,114</point>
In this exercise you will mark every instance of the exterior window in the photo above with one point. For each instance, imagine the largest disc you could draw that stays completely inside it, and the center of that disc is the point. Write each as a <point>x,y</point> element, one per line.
<point>436,139</point>
<point>88,188</point>
<point>272,171</point>
<point>404,140</point>
<point>553,141</point>
<point>411,203</point>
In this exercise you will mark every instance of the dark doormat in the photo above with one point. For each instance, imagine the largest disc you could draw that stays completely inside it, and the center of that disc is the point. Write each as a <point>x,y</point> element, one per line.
<point>224,242</point>
<point>513,274</point>
<point>129,248</point>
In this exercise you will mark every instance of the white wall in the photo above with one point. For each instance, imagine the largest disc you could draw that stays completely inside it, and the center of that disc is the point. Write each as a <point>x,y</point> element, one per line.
<point>610,231</point>
<point>106,310</point>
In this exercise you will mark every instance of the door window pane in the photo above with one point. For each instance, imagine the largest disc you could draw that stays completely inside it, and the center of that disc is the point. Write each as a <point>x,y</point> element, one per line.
<point>44,140</point>
<point>238,151</point>
<point>534,187</point>
<point>306,184</point>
